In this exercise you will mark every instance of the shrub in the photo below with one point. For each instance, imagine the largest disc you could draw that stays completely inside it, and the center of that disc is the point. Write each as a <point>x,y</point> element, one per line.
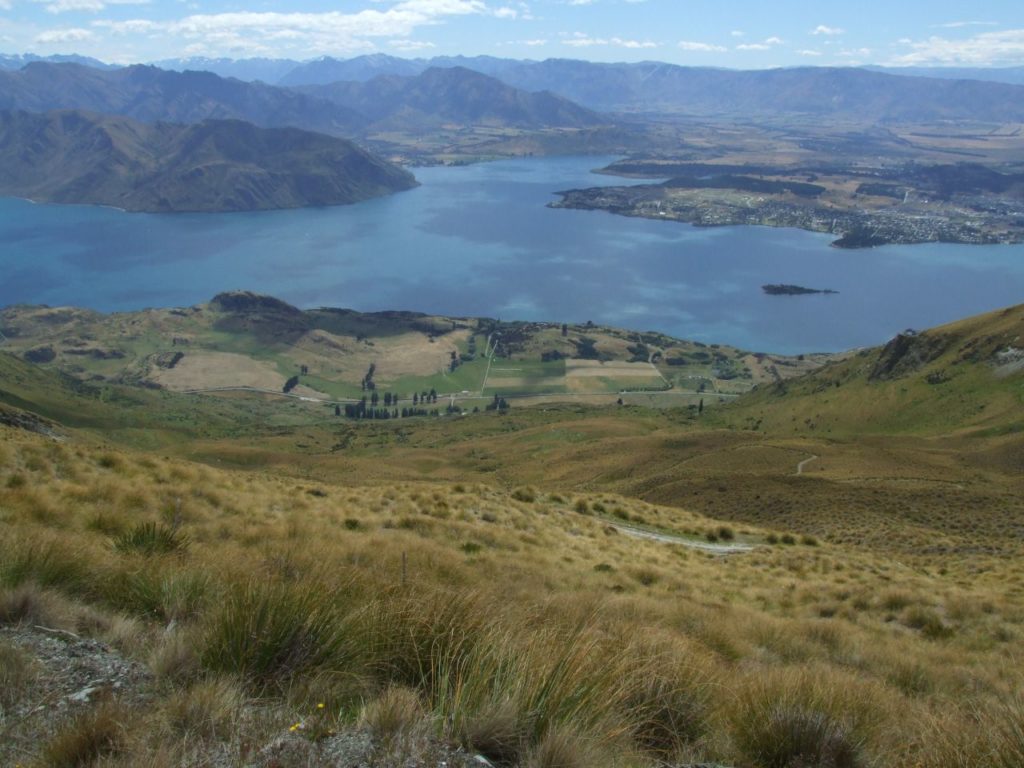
<point>725,533</point>
<point>527,495</point>
<point>927,622</point>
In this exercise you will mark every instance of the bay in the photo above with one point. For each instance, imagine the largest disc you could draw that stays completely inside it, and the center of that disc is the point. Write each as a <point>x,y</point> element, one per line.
<point>479,241</point>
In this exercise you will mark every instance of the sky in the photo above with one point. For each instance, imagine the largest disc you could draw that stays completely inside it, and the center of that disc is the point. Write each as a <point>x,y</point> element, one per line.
<point>740,34</point>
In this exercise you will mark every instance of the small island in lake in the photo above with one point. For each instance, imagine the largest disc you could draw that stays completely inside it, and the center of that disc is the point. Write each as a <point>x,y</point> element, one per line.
<point>792,290</point>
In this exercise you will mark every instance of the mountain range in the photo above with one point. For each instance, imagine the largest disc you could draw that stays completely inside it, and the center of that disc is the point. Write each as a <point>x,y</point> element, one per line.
<point>452,95</point>
<point>861,95</point>
<point>150,94</point>
<point>216,165</point>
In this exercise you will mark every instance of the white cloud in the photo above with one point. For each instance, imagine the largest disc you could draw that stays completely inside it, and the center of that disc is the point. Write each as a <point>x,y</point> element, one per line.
<point>506,13</point>
<point>72,35</point>
<point>579,40</point>
<point>764,45</point>
<point>960,24</point>
<point>408,46</point>
<point>1003,48</point>
<point>823,29</point>
<point>5,5</point>
<point>808,52</point>
<point>311,34</point>
<point>689,45</point>
<point>737,33</point>
<point>85,6</point>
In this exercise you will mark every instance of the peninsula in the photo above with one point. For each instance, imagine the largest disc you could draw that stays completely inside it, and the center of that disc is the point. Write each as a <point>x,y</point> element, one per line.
<point>71,156</point>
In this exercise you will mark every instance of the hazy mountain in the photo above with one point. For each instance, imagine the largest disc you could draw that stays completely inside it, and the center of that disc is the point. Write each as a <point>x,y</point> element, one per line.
<point>362,68</point>
<point>150,94</point>
<point>454,95</point>
<point>17,61</point>
<point>1011,75</point>
<point>359,69</point>
<point>264,70</point>
<point>809,91</point>
<point>216,165</point>
<point>872,94</point>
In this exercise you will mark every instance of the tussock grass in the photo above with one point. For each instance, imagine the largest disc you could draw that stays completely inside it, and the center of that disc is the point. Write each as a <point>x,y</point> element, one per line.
<point>806,716</point>
<point>548,640</point>
<point>268,634</point>
<point>97,733</point>
<point>151,539</point>
<point>17,671</point>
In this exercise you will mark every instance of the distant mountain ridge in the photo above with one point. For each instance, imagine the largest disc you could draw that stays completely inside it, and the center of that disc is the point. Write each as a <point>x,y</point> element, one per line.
<point>150,94</point>
<point>17,61</point>
<point>216,165</point>
<point>455,94</point>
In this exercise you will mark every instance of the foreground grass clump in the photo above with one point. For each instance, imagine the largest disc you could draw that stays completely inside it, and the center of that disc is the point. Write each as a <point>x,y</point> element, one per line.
<point>150,538</point>
<point>269,634</point>
<point>520,626</point>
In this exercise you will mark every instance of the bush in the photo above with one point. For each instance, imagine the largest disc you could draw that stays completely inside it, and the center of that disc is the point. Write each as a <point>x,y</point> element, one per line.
<point>527,495</point>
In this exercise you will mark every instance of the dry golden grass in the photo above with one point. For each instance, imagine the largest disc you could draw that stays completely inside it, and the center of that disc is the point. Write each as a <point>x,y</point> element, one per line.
<point>515,621</point>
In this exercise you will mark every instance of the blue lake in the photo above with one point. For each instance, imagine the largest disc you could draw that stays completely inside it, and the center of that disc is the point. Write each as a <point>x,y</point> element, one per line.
<point>478,240</point>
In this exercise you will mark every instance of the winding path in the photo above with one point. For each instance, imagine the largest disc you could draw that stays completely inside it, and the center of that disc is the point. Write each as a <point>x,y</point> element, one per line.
<point>804,463</point>
<point>667,538</point>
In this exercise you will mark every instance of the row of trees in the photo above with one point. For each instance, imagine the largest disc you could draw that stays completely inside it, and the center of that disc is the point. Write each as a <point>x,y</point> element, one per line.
<point>361,410</point>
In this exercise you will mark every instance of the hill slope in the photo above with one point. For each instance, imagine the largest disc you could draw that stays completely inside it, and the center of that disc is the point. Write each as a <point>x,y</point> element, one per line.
<point>967,375</point>
<point>217,165</point>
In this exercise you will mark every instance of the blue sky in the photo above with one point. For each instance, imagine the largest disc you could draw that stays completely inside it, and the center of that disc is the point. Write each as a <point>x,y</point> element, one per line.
<point>727,33</point>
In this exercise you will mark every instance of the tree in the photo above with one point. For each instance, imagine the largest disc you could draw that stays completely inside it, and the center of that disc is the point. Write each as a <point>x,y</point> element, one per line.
<point>337,410</point>
<point>291,384</point>
<point>565,329</point>
<point>700,407</point>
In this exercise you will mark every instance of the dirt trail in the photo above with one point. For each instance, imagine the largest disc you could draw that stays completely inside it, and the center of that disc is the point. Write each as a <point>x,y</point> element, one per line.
<point>667,538</point>
<point>804,463</point>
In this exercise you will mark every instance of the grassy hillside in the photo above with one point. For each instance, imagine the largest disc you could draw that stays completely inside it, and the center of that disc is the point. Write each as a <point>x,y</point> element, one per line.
<point>275,586</point>
<point>264,608</point>
<point>966,376</point>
